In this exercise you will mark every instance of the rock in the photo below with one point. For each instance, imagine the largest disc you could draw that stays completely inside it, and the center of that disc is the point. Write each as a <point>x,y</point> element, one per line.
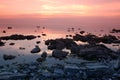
<point>40,59</point>
<point>44,55</point>
<point>59,43</point>
<point>43,34</point>
<point>8,57</point>
<point>115,31</point>
<point>3,31</point>
<point>59,54</point>
<point>82,32</point>
<point>9,27</point>
<point>2,43</point>
<point>12,44</point>
<point>12,76</point>
<point>71,68</point>
<point>38,36</point>
<point>108,39</point>
<point>97,52</point>
<point>18,37</point>
<point>58,71</point>
<point>38,42</point>
<point>21,48</point>
<point>36,49</point>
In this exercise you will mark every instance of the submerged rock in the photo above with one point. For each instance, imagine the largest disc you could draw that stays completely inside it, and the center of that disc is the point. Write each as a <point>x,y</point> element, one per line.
<point>59,54</point>
<point>8,57</point>
<point>36,49</point>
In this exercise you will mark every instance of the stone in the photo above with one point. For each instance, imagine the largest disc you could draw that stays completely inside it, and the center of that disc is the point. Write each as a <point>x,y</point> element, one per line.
<point>2,43</point>
<point>8,57</point>
<point>58,71</point>
<point>44,55</point>
<point>38,42</point>
<point>18,37</point>
<point>71,68</point>
<point>97,52</point>
<point>12,44</point>
<point>36,49</point>
<point>59,54</point>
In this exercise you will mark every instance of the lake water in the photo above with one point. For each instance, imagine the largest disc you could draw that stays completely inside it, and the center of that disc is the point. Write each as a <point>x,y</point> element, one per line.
<point>54,28</point>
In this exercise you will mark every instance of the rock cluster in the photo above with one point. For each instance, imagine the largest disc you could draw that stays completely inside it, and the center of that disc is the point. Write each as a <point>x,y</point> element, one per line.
<point>18,37</point>
<point>90,38</point>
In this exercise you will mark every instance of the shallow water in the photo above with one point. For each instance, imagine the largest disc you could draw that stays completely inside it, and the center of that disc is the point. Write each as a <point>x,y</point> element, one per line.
<point>52,32</point>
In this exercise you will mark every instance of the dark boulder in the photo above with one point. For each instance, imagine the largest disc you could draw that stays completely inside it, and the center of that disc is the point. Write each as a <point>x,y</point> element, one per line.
<point>59,43</point>
<point>8,57</point>
<point>36,49</point>
<point>44,55</point>
<point>97,52</point>
<point>59,54</point>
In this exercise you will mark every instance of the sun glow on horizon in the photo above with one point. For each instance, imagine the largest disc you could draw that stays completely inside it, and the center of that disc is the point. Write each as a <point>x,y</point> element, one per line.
<point>53,8</point>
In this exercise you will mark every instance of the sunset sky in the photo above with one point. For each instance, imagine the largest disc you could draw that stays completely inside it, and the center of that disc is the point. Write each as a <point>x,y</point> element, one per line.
<point>58,8</point>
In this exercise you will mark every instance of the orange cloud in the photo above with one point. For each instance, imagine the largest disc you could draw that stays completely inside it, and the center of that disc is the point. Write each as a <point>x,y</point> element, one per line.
<point>55,8</point>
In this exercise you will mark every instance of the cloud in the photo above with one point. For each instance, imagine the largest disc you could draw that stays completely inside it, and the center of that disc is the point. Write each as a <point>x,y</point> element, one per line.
<point>60,7</point>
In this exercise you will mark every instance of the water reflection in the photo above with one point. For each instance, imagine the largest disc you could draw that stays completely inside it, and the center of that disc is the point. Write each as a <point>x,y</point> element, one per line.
<point>22,48</point>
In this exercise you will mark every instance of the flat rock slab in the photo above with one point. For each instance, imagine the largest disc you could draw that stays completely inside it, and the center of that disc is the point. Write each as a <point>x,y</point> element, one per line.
<point>5,76</point>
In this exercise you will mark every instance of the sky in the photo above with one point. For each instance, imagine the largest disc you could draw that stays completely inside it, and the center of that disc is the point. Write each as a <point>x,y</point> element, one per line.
<point>58,8</point>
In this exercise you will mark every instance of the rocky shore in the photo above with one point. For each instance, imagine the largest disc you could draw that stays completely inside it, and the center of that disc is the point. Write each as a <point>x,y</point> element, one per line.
<point>91,61</point>
<point>61,70</point>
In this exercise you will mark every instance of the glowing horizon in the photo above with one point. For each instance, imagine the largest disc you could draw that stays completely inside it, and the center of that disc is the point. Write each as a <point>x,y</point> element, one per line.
<point>62,8</point>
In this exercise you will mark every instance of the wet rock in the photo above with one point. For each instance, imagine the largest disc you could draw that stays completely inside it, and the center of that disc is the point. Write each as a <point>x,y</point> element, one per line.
<point>71,68</point>
<point>115,31</point>
<point>97,52</point>
<point>43,34</point>
<point>40,59</point>
<point>9,27</point>
<point>90,38</point>
<point>82,32</point>
<point>44,55</point>
<point>8,57</point>
<point>18,37</point>
<point>108,39</point>
<point>2,43</point>
<point>59,43</point>
<point>36,49</point>
<point>38,42</point>
<point>21,48</point>
<point>3,31</point>
<point>59,54</point>
<point>38,36</point>
<point>12,44</point>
